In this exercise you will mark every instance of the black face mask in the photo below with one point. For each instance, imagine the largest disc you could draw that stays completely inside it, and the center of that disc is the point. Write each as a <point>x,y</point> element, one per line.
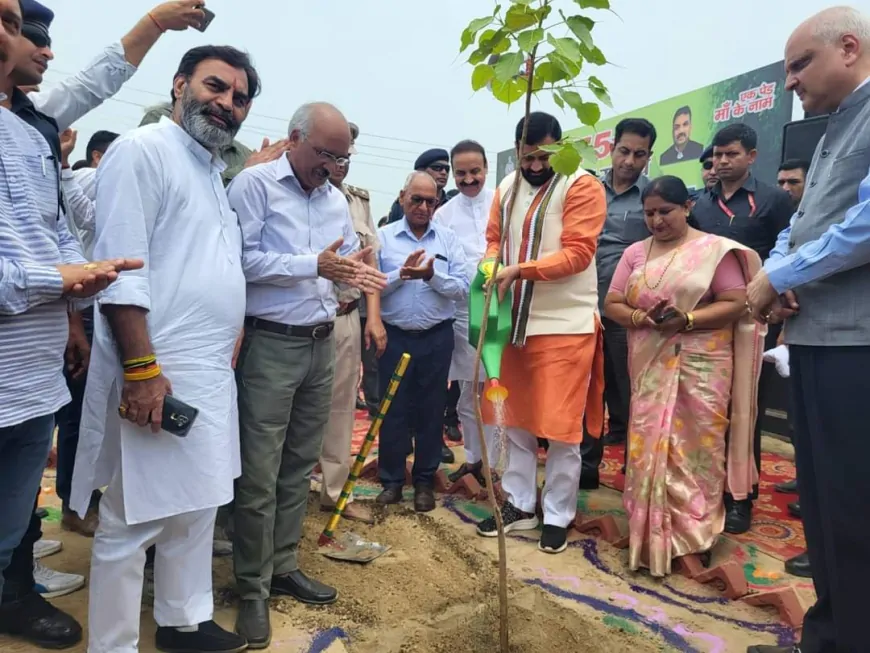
<point>538,178</point>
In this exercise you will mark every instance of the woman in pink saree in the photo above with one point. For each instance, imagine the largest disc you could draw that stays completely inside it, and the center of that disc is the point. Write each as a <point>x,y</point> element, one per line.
<point>694,361</point>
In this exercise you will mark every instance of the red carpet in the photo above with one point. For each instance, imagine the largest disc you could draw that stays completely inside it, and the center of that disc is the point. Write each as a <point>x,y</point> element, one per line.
<point>773,531</point>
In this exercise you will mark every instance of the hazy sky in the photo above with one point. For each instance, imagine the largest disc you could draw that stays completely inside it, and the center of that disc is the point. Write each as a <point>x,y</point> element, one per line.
<point>393,67</point>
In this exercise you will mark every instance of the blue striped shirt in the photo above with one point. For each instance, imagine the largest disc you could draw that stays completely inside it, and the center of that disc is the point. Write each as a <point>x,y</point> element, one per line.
<point>34,239</point>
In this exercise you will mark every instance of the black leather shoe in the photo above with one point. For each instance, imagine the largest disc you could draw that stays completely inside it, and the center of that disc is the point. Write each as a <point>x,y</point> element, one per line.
<point>39,622</point>
<point>799,566</point>
<point>424,498</point>
<point>253,623</point>
<point>303,589</point>
<point>794,509</point>
<point>761,648</point>
<point>360,404</point>
<point>611,439</point>
<point>453,433</point>
<point>589,480</point>
<point>789,487</point>
<point>475,469</point>
<point>738,519</point>
<point>389,496</point>
<point>447,456</point>
<point>209,638</point>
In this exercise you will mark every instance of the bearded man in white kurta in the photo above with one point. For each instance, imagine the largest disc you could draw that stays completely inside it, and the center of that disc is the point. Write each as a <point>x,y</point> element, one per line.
<point>171,328</point>
<point>467,214</point>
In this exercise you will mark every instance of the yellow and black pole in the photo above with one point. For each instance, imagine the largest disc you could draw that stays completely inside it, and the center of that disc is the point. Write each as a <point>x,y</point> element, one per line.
<point>326,537</point>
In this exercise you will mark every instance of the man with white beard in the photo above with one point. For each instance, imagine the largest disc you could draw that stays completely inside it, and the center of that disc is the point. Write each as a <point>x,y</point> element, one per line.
<point>171,329</point>
<point>467,214</point>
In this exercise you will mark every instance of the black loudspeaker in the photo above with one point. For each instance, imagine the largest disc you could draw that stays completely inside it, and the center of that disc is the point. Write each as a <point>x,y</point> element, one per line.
<point>799,138</point>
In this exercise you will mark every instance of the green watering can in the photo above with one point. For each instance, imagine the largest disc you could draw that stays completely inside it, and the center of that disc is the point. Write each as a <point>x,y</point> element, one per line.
<point>498,327</point>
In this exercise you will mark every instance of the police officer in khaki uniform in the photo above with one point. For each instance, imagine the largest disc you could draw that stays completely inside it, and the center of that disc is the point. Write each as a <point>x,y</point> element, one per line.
<point>336,454</point>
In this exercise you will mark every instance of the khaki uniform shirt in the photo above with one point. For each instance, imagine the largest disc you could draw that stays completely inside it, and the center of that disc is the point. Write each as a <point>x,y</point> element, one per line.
<point>361,214</point>
<point>234,155</point>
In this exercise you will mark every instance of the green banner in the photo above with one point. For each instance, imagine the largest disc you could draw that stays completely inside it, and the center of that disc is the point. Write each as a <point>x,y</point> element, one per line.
<point>686,125</point>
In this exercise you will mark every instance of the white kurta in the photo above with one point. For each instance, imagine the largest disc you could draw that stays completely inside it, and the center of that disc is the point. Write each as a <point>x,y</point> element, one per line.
<point>468,217</point>
<point>160,198</point>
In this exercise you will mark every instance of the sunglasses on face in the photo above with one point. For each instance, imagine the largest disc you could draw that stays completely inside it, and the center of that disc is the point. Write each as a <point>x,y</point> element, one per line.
<point>430,202</point>
<point>439,167</point>
<point>708,165</point>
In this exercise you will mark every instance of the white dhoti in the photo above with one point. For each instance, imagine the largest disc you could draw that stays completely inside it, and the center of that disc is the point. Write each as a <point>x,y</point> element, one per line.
<point>561,477</point>
<point>182,572</point>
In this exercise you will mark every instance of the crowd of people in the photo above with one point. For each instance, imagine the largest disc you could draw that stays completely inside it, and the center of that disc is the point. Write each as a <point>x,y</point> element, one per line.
<point>192,316</point>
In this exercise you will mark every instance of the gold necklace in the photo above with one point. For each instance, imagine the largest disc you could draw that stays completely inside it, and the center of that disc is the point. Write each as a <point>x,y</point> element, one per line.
<point>665,271</point>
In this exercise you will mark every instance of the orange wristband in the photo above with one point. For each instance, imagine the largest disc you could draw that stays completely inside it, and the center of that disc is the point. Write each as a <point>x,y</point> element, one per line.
<point>154,20</point>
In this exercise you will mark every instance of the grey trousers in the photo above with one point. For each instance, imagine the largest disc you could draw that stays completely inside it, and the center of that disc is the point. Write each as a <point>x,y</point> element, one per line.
<point>285,393</point>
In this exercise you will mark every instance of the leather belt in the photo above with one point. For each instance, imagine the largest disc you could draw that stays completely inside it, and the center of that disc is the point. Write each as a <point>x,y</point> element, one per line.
<point>347,309</point>
<point>315,332</point>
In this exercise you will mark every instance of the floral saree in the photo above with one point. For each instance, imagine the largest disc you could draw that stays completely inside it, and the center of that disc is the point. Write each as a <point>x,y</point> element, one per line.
<point>687,390</point>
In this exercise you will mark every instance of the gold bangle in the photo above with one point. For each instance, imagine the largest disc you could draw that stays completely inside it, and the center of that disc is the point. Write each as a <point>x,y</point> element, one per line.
<point>690,322</point>
<point>144,360</point>
<point>634,315</point>
<point>146,375</point>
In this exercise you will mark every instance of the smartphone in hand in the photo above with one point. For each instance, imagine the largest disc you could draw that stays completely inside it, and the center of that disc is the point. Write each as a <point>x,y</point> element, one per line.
<point>206,21</point>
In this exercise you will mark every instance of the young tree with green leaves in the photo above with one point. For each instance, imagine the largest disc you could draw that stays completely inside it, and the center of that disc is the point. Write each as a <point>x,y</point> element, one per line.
<point>522,49</point>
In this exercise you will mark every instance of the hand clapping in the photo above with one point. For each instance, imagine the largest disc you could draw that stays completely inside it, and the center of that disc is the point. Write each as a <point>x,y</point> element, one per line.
<point>350,270</point>
<point>417,266</point>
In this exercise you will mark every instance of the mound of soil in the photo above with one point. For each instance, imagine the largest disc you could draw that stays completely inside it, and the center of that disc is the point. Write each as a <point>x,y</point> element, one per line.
<point>434,593</point>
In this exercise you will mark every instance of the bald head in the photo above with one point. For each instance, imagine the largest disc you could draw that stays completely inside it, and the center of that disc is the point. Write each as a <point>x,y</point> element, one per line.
<point>827,57</point>
<point>319,143</point>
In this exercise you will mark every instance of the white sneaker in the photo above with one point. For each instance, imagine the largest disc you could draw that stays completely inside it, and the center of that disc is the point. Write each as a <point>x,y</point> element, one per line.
<point>44,548</point>
<point>51,584</point>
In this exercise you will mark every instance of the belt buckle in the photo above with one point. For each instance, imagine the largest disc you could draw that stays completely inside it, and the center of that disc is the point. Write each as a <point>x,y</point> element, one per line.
<point>320,332</point>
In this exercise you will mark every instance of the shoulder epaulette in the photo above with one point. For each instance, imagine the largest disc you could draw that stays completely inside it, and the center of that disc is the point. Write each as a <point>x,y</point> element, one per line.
<point>359,192</point>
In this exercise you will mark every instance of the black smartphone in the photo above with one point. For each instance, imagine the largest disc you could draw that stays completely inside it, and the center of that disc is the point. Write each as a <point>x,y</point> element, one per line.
<point>664,317</point>
<point>206,21</point>
<point>178,416</point>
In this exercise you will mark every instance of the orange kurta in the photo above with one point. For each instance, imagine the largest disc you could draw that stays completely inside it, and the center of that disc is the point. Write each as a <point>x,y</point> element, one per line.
<point>553,381</point>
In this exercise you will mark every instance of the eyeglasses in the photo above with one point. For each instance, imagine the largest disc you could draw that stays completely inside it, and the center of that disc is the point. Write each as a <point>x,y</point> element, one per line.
<point>340,161</point>
<point>708,165</point>
<point>439,167</point>
<point>430,202</point>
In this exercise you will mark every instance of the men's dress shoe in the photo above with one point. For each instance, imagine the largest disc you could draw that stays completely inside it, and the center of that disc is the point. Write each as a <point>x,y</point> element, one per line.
<point>42,513</point>
<point>389,496</point>
<point>738,518</point>
<point>303,589</point>
<point>424,498</point>
<point>39,622</point>
<point>253,624</point>
<point>353,512</point>
<point>447,456</point>
<point>789,487</point>
<point>360,404</point>
<point>762,648</point>
<point>589,480</point>
<point>794,509</point>
<point>453,433</point>
<point>207,638</point>
<point>475,469</point>
<point>611,439</point>
<point>799,566</point>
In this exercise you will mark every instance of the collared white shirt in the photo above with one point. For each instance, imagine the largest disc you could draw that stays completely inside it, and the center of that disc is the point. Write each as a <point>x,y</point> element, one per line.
<point>468,217</point>
<point>160,197</point>
<point>78,95</point>
<point>79,192</point>
<point>285,229</point>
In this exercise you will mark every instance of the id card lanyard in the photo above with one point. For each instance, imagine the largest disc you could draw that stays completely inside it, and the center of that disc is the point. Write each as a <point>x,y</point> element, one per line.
<point>730,213</point>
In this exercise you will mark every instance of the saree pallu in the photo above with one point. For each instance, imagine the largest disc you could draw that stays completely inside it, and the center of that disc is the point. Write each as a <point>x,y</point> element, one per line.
<point>687,390</point>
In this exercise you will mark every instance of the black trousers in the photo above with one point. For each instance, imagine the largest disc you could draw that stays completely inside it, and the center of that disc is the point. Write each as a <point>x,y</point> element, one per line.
<point>418,404</point>
<point>617,394</point>
<point>830,390</point>
<point>370,371</point>
<point>451,416</point>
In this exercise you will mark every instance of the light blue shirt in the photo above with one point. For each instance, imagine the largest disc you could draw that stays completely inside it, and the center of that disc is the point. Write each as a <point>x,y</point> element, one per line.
<point>843,246</point>
<point>34,240</point>
<point>415,304</point>
<point>285,229</point>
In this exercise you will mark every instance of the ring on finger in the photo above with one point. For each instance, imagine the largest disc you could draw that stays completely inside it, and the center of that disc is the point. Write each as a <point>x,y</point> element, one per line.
<point>122,410</point>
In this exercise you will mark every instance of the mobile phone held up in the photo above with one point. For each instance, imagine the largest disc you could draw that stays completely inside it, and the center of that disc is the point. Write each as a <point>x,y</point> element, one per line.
<point>206,21</point>
<point>664,317</point>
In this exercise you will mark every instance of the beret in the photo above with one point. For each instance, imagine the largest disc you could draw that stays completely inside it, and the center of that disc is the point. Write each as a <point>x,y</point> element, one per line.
<point>429,157</point>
